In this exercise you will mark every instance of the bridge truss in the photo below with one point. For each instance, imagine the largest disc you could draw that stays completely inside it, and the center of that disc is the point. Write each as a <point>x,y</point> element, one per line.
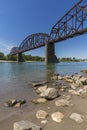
<point>31,42</point>
<point>73,23</point>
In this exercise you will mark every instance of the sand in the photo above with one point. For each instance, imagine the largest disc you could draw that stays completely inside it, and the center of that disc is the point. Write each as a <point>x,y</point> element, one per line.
<point>28,112</point>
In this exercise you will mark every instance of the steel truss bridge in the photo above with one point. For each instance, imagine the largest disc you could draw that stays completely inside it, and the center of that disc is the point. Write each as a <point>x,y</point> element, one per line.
<point>72,24</point>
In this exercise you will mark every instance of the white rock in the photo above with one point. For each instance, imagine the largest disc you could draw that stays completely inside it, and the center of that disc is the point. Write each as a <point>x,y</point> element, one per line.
<point>60,77</point>
<point>62,102</point>
<point>25,125</point>
<point>57,117</point>
<point>44,122</point>
<point>73,86</point>
<point>73,92</point>
<point>77,117</point>
<point>41,89</point>
<point>39,100</point>
<point>78,83</point>
<point>50,93</point>
<point>41,114</point>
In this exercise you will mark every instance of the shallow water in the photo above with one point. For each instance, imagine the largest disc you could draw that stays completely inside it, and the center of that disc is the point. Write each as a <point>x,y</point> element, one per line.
<point>19,75</point>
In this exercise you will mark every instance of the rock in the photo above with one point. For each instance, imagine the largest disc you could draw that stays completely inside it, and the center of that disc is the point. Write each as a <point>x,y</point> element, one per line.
<point>25,125</point>
<point>76,77</point>
<point>44,122</point>
<point>14,103</point>
<point>39,100</point>
<point>41,114</point>
<point>36,84</point>
<point>67,77</point>
<point>73,86</point>
<point>10,103</point>
<point>82,91</point>
<point>18,105</point>
<point>41,89</point>
<point>83,80</point>
<point>62,102</point>
<point>69,80</point>
<point>73,92</point>
<point>60,77</point>
<point>54,77</point>
<point>78,83</point>
<point>67,97</point>
<point>57,117</point>
<point>63,88</point>
<point>77,117</point>
<point>84,71</point>
<point>50,93</point>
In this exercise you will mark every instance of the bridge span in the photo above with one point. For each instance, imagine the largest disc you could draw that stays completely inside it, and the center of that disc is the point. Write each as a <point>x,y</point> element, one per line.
<point>72,24</point>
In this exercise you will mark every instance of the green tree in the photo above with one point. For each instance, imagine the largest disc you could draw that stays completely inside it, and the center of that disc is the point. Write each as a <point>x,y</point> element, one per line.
<point>11,57</point>
<point>2,57</point>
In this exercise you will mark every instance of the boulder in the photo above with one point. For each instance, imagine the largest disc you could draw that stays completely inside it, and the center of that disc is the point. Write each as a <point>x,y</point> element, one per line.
<point>18,105</point>
<point>76,77</point>
<point>77,117</point>
<point>10,103</point>
<point>83,80</point>
<point>39,100</point>
<point>57,117</point>
<point>73,86</point>
<point>60,77</point>
<point>73,92</point>
<point>25,125</point>
<point>41,114</point>
<point>41,89</point>
<point>78,83</point>
<point>84,71</point>
<point>63,88</point>
<point>50,93</point>
<point>62,102</point>
<point>14,103</point>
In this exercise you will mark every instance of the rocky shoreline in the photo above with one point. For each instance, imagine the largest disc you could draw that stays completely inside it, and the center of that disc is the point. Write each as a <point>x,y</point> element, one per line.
<point>60,104</point>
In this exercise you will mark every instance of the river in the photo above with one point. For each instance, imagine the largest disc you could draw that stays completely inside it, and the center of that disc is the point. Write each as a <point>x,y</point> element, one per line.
<point>15,75</point>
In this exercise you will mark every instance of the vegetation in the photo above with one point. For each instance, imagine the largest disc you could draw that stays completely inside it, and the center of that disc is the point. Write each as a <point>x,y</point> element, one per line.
<point>10,57</point>
<point>65,59</point>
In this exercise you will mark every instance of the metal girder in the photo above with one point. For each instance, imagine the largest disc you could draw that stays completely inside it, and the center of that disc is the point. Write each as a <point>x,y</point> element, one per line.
<point>73,23</point>
<point>31,42</point>
<point>14,50</point>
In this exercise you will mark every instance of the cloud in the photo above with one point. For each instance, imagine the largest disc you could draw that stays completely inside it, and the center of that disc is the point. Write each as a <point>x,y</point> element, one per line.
<point>5,47</point>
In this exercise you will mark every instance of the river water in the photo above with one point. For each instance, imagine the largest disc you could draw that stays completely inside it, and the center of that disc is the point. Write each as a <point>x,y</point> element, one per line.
<point>15,76</point>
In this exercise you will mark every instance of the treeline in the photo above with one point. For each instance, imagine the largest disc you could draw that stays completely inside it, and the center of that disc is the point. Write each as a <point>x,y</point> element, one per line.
<point>10,57</point>
<point>66,59</point>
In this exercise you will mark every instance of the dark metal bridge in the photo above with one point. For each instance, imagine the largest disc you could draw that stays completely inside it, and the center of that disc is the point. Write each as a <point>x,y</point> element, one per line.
<point>72,24</point>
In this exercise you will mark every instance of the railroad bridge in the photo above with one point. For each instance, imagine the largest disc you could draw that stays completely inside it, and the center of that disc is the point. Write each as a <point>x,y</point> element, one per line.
<point>72,24</point>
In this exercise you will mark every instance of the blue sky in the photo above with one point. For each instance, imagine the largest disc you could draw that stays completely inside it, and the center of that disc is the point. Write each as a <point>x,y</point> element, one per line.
<point>20,18</point>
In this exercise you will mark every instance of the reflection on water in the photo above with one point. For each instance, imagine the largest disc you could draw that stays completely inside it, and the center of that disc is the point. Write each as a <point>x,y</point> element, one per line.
<point>50,70</point>
<point>18,75</point>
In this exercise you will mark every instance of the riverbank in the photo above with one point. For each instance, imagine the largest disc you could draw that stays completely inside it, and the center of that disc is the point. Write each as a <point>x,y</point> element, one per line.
<point>77,105</point>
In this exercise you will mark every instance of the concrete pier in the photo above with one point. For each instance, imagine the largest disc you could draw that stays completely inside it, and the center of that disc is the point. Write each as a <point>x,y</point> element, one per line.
<point>50,54</point>
<point>20,57</point>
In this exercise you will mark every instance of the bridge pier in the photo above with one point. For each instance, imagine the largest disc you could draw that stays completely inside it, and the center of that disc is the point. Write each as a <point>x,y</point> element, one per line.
<point>20,57</point>
<point>50,53</point>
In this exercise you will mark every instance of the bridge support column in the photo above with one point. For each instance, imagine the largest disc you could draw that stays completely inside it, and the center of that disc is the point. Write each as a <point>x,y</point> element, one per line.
<point>20,57</point>
<point>50,54</point>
